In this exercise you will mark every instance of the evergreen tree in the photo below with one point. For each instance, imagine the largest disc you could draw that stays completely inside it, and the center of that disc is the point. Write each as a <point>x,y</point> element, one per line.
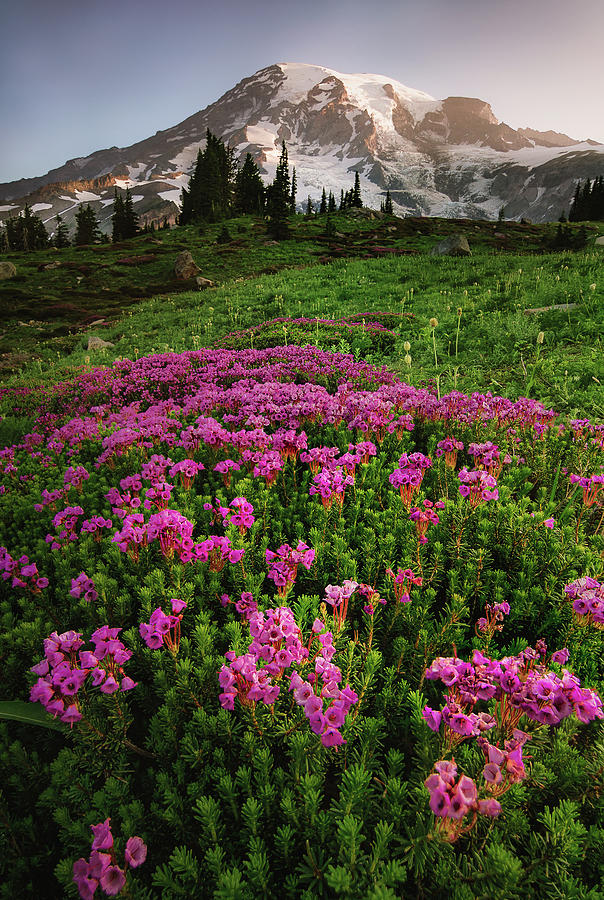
<point>249,189</point>
<point>87,226</point>
<point>309,206</point>
<point>292,204</point>
<point>331,203</point>
<point>342,199</point>
<point>211,192</point>
<point>279,199</point>
<point>588,201</point>
<point>356,201</point>
<point>61,238</point>
<point>323,207</point>
<point>130,227</point>
<point>117,219</point>
<point>26,231</point>
<point>573,214</point>
<point>388,204</point>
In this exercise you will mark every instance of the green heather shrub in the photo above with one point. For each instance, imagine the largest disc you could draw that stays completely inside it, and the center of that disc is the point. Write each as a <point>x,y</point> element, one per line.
<point>299,630</point>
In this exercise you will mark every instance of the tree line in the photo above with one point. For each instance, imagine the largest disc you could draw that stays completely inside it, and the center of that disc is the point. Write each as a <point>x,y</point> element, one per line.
<point>220,189</point>
<point>28,232</point>
<point>588,201</point>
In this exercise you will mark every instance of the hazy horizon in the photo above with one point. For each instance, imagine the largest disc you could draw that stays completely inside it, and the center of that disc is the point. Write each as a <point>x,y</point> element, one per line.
<point>76,78</point>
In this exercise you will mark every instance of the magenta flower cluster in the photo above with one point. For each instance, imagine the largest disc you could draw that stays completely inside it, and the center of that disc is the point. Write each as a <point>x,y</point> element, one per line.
<point>477,486</point>
<point>21,573</point>
<point>524,683</point>
<point>101,869</point>
<point>424,516</point>
<point>65,668</point>
<point>493,619</point>
<point>449,448</point>
<point>592,486</point>
<point>283,564</point>
<point>453,798</point>
<point>83,586</point>
<point>409,475</point>
<point>75,476</point>
<point>164,629</point>
<point>331,484</point>
<point>186,470</point>
<point>64,523</point>
<point>587,595</point>
<point>402,582</point>
<point>276,646</point>
<point>488,456</point>
<point>95,526</point>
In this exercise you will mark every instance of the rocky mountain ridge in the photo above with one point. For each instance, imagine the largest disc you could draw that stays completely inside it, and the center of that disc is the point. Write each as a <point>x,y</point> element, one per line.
<point>449,157</point>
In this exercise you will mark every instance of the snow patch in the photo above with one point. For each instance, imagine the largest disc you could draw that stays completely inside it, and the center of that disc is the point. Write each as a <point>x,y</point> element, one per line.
<point>86,196</point>
<point>187,156</point>
<point>261,135</point>
<point>38,207</point>
<point>136,171</point>
<point>170,196</point>
<point>7,208</point>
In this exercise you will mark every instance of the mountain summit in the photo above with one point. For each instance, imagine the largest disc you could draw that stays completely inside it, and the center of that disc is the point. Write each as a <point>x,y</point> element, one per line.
<point>449,157</point>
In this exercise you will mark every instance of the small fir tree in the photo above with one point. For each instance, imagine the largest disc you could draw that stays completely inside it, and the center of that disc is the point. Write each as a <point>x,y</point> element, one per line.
<point>331,203</point>
<point>388,204</point>
<point>61,238</point>
<point>323,207</point>
<point>87,226</point>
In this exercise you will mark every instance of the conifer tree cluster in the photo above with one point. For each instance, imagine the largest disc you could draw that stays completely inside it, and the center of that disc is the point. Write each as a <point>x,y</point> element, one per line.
<point>588,202</point>
<point>352,198</point>
<point>124,220</point>
<point>25,232</point>
<point>87,226</point>
<point>386,205</point>
<point>211,192</point>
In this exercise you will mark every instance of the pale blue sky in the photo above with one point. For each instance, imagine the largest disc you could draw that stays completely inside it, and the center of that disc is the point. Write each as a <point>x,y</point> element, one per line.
<point>80,76</point>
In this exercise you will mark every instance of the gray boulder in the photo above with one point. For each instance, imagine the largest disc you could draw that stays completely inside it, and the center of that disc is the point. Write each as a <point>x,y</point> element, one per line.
<point>600,241</point>
<point>455,245</point>
<point>7,270</point>
<point>97,343</point>
<point>185,266</point>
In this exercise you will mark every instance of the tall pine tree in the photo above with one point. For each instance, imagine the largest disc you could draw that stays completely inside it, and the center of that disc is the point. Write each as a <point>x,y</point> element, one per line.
<point>323,207</point>
<point>87,226</point>
<point>249,189</point>
<point>211,192</point>
<point>279,199</point>
<point>292,204</point>
<point>356,200</point>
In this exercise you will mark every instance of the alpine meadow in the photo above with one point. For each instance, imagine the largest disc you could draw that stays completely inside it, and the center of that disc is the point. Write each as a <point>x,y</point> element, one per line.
<point>302,506</point>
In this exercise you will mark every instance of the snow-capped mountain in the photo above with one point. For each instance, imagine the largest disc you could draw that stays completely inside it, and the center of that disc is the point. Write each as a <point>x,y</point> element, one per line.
<point>449,157</point>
